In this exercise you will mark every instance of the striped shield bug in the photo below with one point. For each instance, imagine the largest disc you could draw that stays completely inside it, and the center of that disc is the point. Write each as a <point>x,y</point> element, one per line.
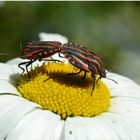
<point>85,60</point>
<point>37,51</point>
<point>77,55</point>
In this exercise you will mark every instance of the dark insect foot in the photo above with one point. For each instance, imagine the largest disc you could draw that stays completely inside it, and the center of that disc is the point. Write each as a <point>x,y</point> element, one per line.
<point>48,79</point>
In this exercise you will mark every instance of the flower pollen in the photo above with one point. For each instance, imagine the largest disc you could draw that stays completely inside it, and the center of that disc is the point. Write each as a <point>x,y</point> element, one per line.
<point>56,89</point>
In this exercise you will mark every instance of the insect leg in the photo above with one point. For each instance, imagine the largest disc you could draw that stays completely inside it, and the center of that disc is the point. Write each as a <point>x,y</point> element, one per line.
<point>75,73</point>
<point>93,86</point>
<point>55,60</point>
<point>52,59</point>
<point>28,64</point>
<point>48,79</point>
<point>60,56</point>
<point>84,75</point>
<point>98,79</point>
<point>19,65</point>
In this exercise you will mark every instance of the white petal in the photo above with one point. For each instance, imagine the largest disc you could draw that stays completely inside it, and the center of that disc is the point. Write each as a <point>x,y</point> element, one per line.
<point>125,92</point>
<point>38,125</point>
<point>7,87</point>
<point>126,106</point>
<point>4,68</point>
<point>127,127</point>
<point>53,37</point>
<point>15,61</point>
<point>125,86</point>
<point>55,127</point>
<point>5,76</point>
<point>16,72</point>
<point>12,109</point>
<point>121,80</point>
<point>117,127</point>
<point>79,128</point>
<point>9,74</point>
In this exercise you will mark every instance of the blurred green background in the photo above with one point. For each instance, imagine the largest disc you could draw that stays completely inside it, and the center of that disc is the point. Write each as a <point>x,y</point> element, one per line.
<point>110,28</point>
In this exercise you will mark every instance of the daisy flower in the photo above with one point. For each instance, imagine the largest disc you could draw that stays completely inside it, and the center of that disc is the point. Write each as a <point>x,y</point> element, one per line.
<point>53,105</point>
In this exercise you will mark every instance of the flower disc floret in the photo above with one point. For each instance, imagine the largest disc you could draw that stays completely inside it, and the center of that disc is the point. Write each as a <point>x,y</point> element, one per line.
<point>56,89</point>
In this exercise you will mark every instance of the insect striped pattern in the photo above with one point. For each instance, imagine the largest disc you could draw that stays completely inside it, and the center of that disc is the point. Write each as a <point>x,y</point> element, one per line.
<point>78,56</point>
<point>84,60</point>
<point>40,49</point>
<point>37,51</point>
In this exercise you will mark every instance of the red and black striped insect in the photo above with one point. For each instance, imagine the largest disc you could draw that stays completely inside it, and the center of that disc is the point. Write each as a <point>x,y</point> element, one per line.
<point>37,51</point>
<point>78,56</point>
<point>85,60</point>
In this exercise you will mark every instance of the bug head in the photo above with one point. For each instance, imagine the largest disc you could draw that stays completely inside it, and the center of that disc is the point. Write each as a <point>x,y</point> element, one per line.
<point>103,74</point>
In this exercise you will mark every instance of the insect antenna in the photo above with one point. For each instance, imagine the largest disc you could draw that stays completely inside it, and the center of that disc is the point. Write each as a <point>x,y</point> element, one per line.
<point>112,80</point>
<point>93,86</point>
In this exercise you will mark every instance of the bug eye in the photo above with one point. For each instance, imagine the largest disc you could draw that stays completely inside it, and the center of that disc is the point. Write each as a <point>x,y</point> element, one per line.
<point>103,74</point>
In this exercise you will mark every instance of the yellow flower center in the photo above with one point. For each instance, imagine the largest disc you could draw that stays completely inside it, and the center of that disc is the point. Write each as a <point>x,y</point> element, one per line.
<point>54,88</point>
